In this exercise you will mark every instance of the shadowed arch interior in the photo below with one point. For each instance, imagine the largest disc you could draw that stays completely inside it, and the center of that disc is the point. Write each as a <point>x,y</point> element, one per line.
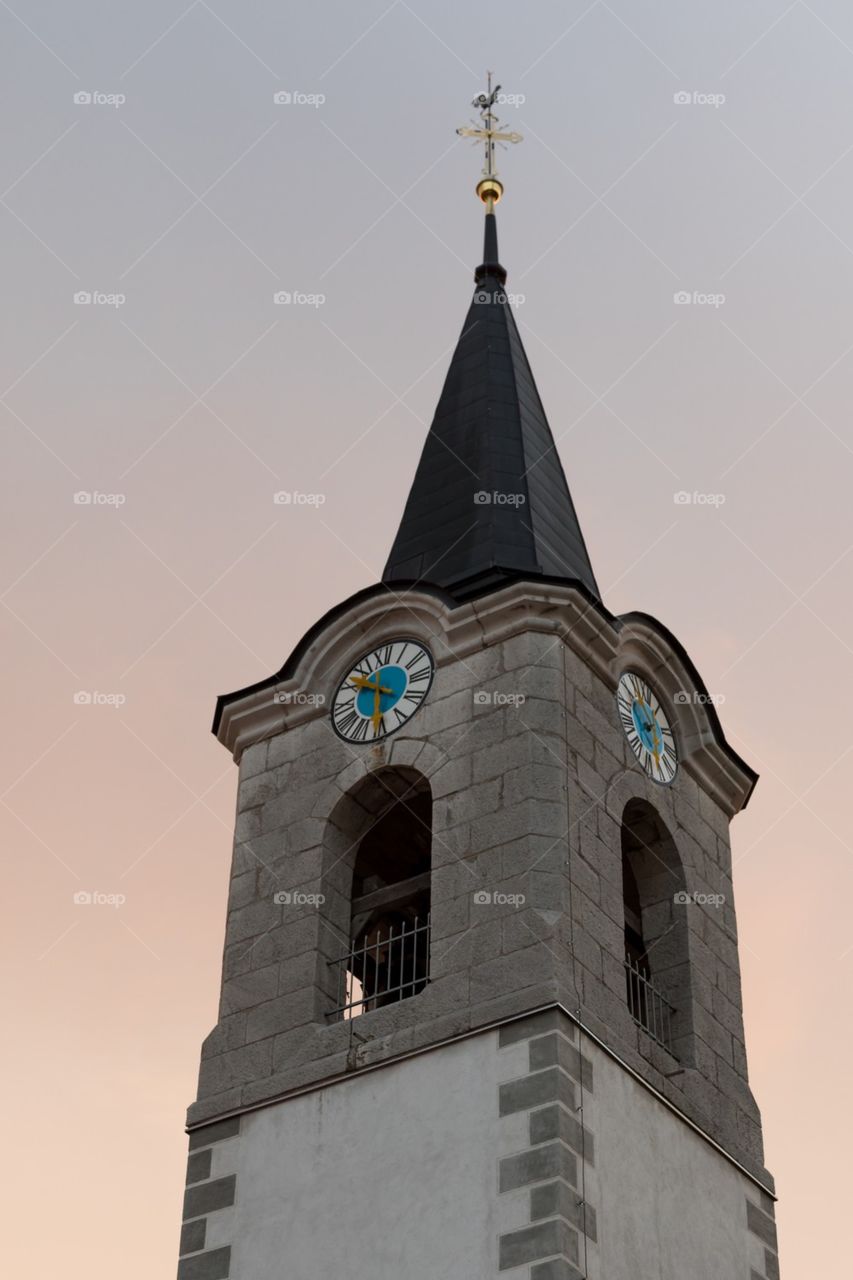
<point>378,865</point>
<point>656,936</point>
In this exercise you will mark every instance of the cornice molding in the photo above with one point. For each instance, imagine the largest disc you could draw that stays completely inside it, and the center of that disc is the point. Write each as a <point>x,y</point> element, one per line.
<point>607,644</point>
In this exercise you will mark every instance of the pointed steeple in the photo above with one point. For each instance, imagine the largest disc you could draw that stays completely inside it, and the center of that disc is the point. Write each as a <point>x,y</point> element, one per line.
<point>489,502</point>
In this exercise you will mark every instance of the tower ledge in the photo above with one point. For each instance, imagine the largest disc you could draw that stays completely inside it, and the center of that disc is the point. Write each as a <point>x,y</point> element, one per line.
<point>300,691</point>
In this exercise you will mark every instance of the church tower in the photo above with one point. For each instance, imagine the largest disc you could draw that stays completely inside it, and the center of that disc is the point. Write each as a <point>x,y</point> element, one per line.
<point>481,1006</point>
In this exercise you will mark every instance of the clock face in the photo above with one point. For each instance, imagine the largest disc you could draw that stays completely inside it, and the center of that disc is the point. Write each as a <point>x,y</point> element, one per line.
<point>382,691</point>
<point>646,727</point>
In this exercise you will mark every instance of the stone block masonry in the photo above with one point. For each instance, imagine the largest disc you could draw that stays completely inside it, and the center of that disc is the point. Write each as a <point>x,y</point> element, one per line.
<point>206,1196</point>
<point>549,1171</point>
<point>530,773</point>
<point>761,1223</point>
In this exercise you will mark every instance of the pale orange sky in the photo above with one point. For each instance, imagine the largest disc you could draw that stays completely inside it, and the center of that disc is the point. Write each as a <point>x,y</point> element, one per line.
<point>197,398</point>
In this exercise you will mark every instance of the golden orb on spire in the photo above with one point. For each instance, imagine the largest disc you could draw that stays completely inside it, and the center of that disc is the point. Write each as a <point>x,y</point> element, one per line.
<point>490,191</point>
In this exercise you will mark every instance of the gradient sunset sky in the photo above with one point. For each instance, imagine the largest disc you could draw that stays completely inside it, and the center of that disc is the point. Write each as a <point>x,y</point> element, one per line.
<point>693,149</point>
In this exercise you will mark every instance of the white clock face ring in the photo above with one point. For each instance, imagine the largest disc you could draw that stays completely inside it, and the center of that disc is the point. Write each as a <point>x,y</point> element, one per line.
<point>646,727</point>
<point>382,691</point>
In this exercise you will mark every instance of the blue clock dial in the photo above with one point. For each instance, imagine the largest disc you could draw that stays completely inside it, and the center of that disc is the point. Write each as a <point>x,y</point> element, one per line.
<point>393,682</point>
<point>382,691</point>
<point>647,728</point>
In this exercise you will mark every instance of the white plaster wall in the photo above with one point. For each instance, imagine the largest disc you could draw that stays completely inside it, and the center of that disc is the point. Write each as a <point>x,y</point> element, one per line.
<point>391,1174</point>
<point>394,1174</point>
<point>669,1205</point>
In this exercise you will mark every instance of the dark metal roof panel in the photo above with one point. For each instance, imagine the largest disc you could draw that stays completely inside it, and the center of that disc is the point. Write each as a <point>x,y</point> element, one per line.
<point>489,493</point>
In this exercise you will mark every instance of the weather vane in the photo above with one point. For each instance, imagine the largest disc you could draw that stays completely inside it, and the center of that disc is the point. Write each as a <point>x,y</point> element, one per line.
<point>489,188</point>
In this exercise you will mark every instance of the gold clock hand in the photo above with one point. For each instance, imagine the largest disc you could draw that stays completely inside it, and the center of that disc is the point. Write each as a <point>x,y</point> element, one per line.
<point>377,713</point>
<point>363,682</point>
<point>377,689</point>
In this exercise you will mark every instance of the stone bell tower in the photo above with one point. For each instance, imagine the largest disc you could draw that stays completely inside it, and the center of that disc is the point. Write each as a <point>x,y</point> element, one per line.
<point>480,1012</point>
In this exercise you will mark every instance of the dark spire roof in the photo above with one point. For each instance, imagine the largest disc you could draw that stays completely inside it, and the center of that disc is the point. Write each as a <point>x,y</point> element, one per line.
<point>489,502</point>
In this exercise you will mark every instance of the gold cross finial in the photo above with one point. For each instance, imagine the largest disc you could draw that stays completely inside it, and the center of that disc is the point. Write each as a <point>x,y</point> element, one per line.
<point>489,188</point>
